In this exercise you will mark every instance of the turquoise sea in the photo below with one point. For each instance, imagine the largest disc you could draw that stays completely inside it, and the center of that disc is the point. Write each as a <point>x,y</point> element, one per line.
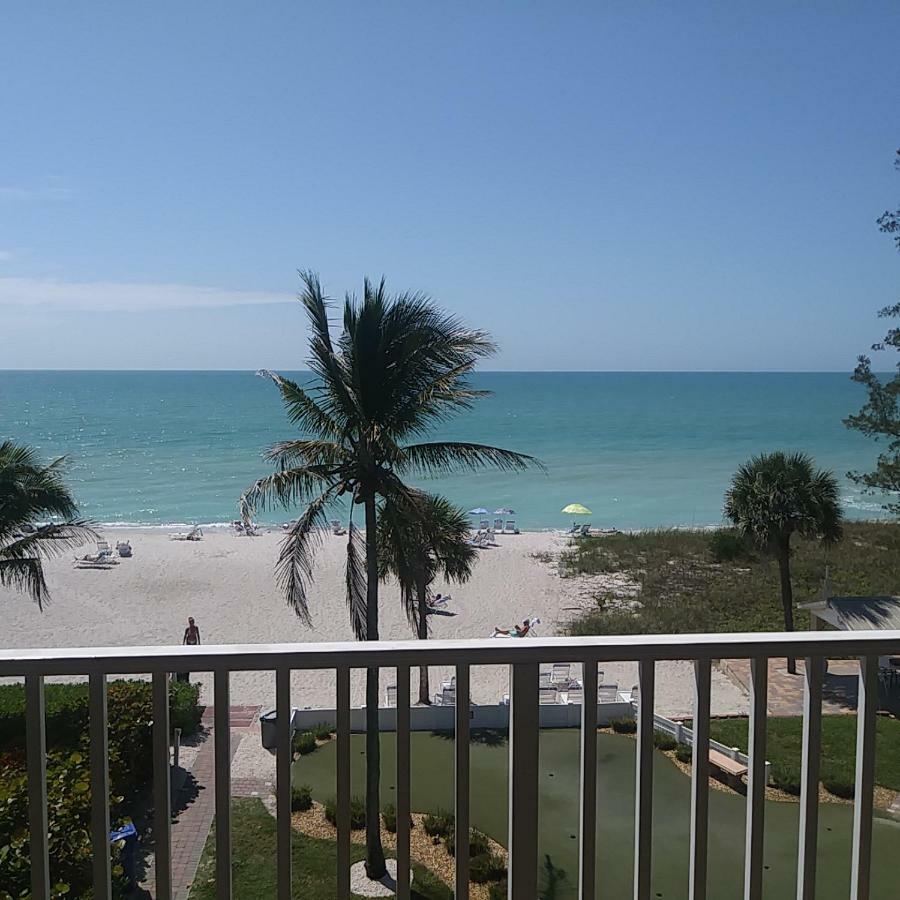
<point>639,449</point>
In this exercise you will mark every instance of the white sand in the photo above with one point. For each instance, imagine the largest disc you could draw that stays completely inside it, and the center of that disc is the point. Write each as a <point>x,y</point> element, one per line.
<point>227,584</point>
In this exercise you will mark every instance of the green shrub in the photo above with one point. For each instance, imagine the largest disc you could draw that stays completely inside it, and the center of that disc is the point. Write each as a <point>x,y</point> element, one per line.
<point>303,742</point>
<point>486,868</point>
<point>441,824</point>
<point>301,798</point>
<point>389,815</point>
<point>479,845</point>
<point>624,726</point>
<point>323,731</point>
<point>839,786</point>
<point>499,890</point>
<point>683,753</point>
<point>67,717</point>
<point>68,820</point>
<point>786,777</point>
<point>663,741</point>
<point>185,710</point>
<point>357,812</point>
<point>727,545</point>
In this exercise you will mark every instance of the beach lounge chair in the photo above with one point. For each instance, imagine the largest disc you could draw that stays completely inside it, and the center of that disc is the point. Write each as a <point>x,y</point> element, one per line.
<point>103,548</point>
<point>195,534</point>
<point>390,695</point>
<point>511,527</point>
<point>498,526</point>
<point>123,548</point>
<point>448,696</point>
<point>337,528</point>
<point>549,695</point>
<point>586,530</point>
<point>484,525</point>
<point>545,679</point>
<point>95,561</point>
<point>607,693</point>
<point>560,673</point>
<point>575,692</point>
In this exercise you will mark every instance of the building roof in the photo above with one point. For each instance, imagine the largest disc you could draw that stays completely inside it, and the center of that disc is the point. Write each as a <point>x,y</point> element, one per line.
<point>858,613</point>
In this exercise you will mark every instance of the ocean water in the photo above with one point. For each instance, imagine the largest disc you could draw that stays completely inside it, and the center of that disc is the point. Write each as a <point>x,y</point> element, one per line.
<point>639,449</point>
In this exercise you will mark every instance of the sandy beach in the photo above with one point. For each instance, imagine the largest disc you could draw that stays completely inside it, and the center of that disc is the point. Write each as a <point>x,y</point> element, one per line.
<point>226,582</point>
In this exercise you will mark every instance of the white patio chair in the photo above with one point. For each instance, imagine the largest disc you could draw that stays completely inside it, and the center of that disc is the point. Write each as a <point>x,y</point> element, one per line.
<point>549,695</point>
<point>561,673</point>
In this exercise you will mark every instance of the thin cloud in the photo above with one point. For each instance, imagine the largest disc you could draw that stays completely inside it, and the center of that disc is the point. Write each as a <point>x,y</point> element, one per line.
<point>51,187</point>
<point>47,294</point>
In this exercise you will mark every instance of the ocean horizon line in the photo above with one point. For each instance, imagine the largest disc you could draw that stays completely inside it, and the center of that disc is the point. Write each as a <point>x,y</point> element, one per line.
<point>480,371</point>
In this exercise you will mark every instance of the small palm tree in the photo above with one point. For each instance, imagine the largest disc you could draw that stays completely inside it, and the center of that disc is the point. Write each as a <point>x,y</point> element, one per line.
<point>398,366</point>
<point>776,495</point>
<point>29,493</point>
<point>415,545</point>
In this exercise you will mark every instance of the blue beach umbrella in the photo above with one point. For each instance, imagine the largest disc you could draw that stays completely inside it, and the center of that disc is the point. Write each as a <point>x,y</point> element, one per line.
<point>478,511</point>
<point>504,511</point>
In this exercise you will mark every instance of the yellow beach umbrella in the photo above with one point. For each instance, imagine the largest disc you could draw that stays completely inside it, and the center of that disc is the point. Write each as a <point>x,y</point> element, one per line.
<point>576,509</point>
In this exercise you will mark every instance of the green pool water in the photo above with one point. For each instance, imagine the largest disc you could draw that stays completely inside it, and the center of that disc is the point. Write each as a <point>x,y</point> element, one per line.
<point>432,789</point>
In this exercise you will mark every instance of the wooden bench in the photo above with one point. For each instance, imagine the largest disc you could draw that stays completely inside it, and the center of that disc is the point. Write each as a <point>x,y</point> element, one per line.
<point>731,767</point>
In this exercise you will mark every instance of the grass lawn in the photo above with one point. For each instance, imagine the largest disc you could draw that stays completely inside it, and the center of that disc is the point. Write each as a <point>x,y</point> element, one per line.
<point>315,862</point>
<point>784,736</point>
<point>431,773</point>
<point>685,589</point>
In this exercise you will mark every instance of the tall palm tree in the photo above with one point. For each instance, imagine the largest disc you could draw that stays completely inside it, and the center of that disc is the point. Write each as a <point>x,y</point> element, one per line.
<point>30,492</point>
<point>417,544</point>
<point>398,366</point>
<point>776,495</point>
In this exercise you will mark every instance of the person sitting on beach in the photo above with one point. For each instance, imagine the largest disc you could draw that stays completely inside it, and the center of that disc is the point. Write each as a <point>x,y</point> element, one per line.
<point>191,633</point>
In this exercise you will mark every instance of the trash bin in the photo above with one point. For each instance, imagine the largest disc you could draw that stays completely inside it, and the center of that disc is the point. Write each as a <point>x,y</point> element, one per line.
<point>267,729</point>
<point>128,834</point>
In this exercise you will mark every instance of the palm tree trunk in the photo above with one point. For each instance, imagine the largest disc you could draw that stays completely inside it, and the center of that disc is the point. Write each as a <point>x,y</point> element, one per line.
<point>787,598</point>
<point>424,689</point>
<point>375,866</point>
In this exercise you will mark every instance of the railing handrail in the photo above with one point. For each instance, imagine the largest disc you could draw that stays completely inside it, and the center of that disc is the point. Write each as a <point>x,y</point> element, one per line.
<point>484,651</point>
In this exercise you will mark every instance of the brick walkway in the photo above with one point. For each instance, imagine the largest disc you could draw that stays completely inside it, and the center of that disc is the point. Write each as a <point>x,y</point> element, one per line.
<point>786,691</point>
<point>194,804</point>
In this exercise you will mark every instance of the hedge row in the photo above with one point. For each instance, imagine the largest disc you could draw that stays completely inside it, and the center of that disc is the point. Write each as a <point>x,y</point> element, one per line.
<point>67,716</point>
<point>68,776</point>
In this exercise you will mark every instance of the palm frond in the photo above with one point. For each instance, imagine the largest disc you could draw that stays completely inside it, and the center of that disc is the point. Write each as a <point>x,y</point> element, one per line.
<point>286,488</point>
<point>294,568</point>
<point>441,457</point>
<point>49,540</point>
<point>318,454</point>
<point>357,581</point>
<point>302,408</point>
<point>25,575</point>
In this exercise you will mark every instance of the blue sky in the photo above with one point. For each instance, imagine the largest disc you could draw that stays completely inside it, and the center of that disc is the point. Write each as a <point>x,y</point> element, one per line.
<point>662,186</point>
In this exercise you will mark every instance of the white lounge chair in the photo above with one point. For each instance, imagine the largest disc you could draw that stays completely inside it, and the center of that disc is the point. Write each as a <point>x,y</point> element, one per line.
<point>498,526</point>
<point>608,693</point>
<point>575,692</point>
<point>511,527</point>
<point>549,695</point>
<point>195,534</point>
<point>561,673</point>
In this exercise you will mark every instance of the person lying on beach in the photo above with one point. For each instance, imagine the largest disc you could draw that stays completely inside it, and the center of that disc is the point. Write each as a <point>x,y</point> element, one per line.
<point>515,631</point>
<point>191,633</point>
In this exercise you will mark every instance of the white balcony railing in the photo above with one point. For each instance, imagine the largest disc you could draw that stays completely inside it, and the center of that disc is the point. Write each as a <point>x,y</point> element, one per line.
<point>524,658</point>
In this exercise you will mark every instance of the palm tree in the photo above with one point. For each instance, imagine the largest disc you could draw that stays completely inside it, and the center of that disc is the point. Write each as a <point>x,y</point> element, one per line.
<point>776,495</point>
<point>398,366</point>
<point>29,493</point>
<point>417,544</point>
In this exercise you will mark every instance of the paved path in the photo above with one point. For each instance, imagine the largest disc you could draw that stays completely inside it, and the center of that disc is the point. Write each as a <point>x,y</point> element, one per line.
<point>194,803</point>
<point>786,691</point>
